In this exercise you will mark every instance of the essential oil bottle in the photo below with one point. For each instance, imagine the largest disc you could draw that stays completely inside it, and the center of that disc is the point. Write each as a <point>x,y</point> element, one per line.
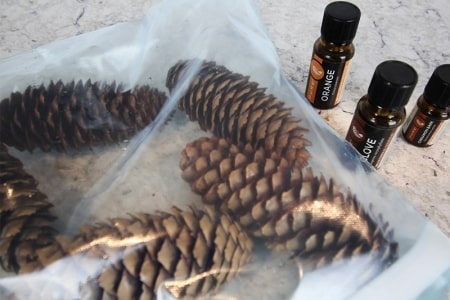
<point>379,113</point>
<point>332,53</point>
<point>427,120</point>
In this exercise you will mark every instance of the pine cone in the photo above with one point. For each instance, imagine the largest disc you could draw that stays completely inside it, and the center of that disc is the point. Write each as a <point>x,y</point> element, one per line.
<point>75,115</point>
<point>199,249</point>
<point>292,209</point>
<point>238,110</point>
<point>25,220</point>
<point>190,253</point>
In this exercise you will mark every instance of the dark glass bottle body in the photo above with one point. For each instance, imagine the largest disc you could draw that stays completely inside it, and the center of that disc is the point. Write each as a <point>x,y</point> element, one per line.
<point>328,71</point>
<point>373,128</point>
<point>425,123</point>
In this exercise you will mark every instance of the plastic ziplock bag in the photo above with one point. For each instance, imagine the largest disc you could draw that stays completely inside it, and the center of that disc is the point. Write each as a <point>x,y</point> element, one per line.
<point>270,202</point>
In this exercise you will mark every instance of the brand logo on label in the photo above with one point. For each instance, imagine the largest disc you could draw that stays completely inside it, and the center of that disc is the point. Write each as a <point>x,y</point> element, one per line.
<point>357,132</point>
<point>317,71</point>
<point>419,121</point>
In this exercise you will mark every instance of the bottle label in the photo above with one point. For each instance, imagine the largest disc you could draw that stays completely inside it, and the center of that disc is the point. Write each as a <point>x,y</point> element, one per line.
<point>370,141</point>
<point>421,130</point>
<point>326,82</point>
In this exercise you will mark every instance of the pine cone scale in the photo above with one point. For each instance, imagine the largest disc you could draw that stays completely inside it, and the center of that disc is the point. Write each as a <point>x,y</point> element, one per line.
<point>67,116</point>
<point>24,216</point>
<point>293,210</point>
<point>169,252</point>
<point>238,110</point>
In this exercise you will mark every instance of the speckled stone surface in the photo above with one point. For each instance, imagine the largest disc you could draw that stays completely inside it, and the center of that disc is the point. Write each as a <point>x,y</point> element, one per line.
<point>416,32</point>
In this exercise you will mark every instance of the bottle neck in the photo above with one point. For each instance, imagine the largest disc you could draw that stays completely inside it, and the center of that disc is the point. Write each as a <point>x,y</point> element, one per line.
<point>380,116</point>
<point>384,109</point>
<point>335,44</point>
<point>334,52</point>
<point>432,110</point>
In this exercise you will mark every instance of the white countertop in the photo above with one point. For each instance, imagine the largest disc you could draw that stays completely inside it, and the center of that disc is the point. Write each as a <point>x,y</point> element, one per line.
<point>412,31</point>
<point>415,32</point>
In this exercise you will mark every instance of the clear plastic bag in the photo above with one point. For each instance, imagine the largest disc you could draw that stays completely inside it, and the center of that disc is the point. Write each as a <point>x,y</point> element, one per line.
<point>141,173</point>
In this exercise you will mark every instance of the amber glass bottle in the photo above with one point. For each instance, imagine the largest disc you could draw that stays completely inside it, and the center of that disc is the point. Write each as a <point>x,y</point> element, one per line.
<point>332,53</point>
<point>428,118</point>
<point>379,113</point>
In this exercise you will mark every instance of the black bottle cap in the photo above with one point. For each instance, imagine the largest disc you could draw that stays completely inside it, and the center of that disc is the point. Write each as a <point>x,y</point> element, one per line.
<point>437,90</point>
<point>340,22</point>
<point>392,84</point>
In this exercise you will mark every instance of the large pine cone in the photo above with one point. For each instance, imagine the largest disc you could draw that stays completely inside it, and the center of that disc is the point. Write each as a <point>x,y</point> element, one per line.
<point>189,253</point>
<point>25,219</point>
<point>236,109</point>
<point>75,115</point>
<point>292,209</point>
<point>199,249</point>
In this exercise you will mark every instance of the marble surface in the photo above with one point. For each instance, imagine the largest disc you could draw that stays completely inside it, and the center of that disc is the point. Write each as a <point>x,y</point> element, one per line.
<point>416,32</point>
